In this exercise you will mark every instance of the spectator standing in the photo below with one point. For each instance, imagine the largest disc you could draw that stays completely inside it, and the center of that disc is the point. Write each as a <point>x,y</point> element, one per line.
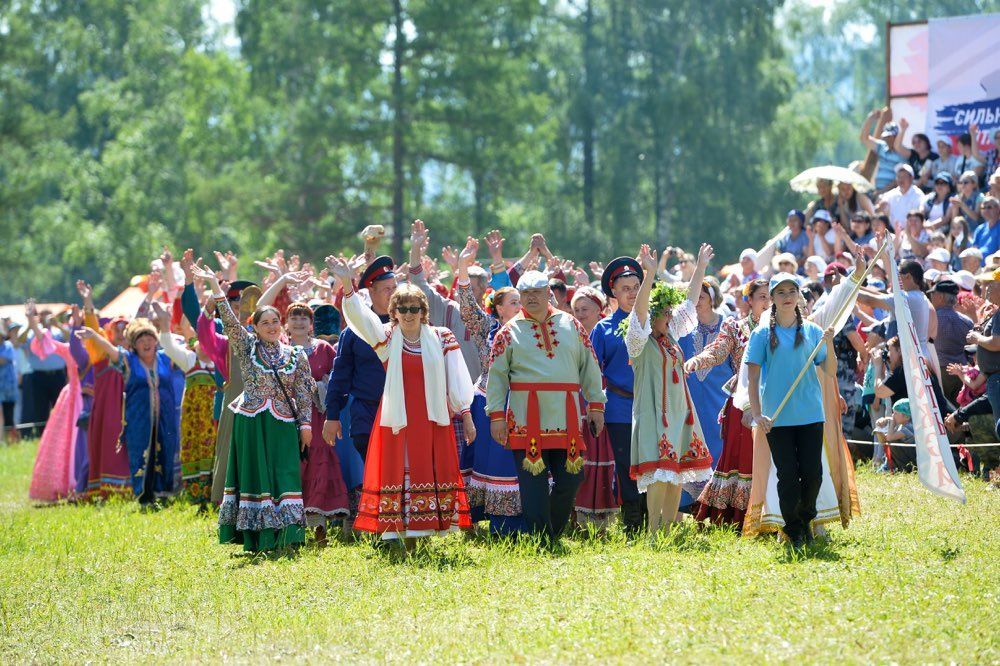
<point>917,157</point>
<point>987,235</point>
<point>952,330</point>
<point>903,198</point>
<point>888,159</point>
<point>47,377</point>
<point>966,158</point>
<point>988,343</point>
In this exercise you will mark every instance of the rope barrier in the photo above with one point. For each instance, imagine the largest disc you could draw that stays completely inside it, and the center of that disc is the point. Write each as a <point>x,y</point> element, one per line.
<point>956,445</point>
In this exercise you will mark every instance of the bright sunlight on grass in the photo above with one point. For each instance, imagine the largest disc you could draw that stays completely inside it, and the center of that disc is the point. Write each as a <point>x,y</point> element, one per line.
<point>913,580</point>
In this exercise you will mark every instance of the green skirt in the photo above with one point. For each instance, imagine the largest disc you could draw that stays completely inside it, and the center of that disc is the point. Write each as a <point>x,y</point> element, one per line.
<point>262,502</point>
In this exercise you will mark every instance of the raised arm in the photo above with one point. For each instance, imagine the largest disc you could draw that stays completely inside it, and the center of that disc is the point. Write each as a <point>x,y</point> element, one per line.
<point>360,318</point>
<point>976,153</point>
<point>647,259</point>
<point>182,358</point>
<point>476,320</point>
<point>90,336</point>
<point>284,281</point>
<point>705,255</point>
<point>685,319</point>
<point>234,329</point>
<point>867,140</point>
<point>499,277</point>
<point>439,305</point>
<point>639,325</point>
<point>897,144</point>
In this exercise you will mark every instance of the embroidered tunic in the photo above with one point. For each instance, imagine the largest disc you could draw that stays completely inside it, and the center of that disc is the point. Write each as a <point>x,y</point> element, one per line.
<point>544,365</point>
<point>667,441</point>
<point>493,483</point>
<point>260,390</point>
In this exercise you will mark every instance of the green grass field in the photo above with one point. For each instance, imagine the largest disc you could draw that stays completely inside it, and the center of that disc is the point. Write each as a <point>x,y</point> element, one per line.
<point>913,580</point>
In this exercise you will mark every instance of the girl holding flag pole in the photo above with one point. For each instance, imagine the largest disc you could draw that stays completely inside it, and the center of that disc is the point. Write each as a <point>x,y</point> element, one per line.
<point>775,355</point>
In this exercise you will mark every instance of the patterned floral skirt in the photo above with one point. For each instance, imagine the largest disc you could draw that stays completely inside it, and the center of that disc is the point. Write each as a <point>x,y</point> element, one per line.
<point>494,493</point>
<point>413,486</point>
<point>724,500</point>
<point>198,433</point>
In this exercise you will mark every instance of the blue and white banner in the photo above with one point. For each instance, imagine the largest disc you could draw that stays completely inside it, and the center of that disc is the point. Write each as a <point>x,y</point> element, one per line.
<point>963,82</point>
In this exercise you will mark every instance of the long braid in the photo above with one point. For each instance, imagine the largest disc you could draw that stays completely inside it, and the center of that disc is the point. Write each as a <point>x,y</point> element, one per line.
<point>798,326</point>
<point>774,322</point>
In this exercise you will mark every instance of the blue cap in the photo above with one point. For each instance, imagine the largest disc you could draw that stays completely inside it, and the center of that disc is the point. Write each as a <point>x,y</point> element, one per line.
<point>797,213</point>
<point>779,278</point>
<point>902,406</point>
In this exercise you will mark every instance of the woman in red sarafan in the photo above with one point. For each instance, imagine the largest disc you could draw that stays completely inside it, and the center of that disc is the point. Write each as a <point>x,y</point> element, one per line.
<point>724,500</point>
<point>412,485</point>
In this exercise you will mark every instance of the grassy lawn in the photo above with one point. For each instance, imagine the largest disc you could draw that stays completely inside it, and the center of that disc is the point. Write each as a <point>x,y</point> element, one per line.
<point>914,580</point>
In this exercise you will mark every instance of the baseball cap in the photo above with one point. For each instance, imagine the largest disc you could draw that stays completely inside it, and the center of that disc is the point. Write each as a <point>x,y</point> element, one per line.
<point>822,215</point>
<point>903,166</point>
<point>964,279</point>
<point>939,254</point>
<point>835,267</point>
<point>780,278</point>
<point>890,129</point>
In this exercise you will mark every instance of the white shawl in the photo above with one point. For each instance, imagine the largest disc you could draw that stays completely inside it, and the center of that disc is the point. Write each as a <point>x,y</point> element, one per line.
<point>393,401</point>
<point>444,386</point>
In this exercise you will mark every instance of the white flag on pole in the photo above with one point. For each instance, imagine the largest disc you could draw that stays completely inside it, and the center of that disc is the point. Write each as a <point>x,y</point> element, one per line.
<point>935,465</point>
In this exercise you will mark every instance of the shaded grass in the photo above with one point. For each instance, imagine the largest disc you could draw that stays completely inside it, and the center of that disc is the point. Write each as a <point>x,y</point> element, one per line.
<point>914,580</point>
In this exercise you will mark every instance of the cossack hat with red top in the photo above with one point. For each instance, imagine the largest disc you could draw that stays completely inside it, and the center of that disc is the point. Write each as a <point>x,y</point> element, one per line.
<point>236,288</point>
<point>619,268</point>
<point>380,269</point>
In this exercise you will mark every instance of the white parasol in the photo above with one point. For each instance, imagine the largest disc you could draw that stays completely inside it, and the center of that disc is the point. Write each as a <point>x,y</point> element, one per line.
<point>806,181</point>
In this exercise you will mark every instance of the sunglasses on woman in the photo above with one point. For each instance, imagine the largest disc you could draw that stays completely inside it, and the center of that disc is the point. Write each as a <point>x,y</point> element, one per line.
<point>411,309</point>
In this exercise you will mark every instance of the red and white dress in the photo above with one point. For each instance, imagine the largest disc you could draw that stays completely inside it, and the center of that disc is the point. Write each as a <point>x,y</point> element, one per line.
<point>726,497</point>
<point>412,484</point>
<point>324,493</point>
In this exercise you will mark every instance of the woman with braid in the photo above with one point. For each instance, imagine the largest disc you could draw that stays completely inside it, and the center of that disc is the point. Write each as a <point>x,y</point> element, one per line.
<point>775,356</point>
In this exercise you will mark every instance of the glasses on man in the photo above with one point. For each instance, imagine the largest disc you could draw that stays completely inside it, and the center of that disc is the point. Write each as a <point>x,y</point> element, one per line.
<point>410,309</point>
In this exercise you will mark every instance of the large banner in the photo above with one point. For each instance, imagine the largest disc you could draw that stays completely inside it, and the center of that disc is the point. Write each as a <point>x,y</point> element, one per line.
<point>935,464</point>
<point>907,84</point>
<point>963,84</point>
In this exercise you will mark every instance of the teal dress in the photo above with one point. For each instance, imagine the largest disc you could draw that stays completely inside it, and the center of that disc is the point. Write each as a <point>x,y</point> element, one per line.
<point>667,441</point>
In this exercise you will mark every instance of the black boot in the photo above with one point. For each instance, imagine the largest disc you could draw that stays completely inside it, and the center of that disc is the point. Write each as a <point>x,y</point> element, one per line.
<point>632,518</point>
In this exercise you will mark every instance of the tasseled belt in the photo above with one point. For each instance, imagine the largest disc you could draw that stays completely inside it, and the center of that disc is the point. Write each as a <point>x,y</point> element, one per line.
<point>533,451</point>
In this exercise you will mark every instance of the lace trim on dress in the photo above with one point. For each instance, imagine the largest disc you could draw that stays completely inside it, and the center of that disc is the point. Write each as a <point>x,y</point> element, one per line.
<point>285,363</point>
<point>683,478</point>
<point>261,512</point>
<point>237,407</point>
<point>727,490</point>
